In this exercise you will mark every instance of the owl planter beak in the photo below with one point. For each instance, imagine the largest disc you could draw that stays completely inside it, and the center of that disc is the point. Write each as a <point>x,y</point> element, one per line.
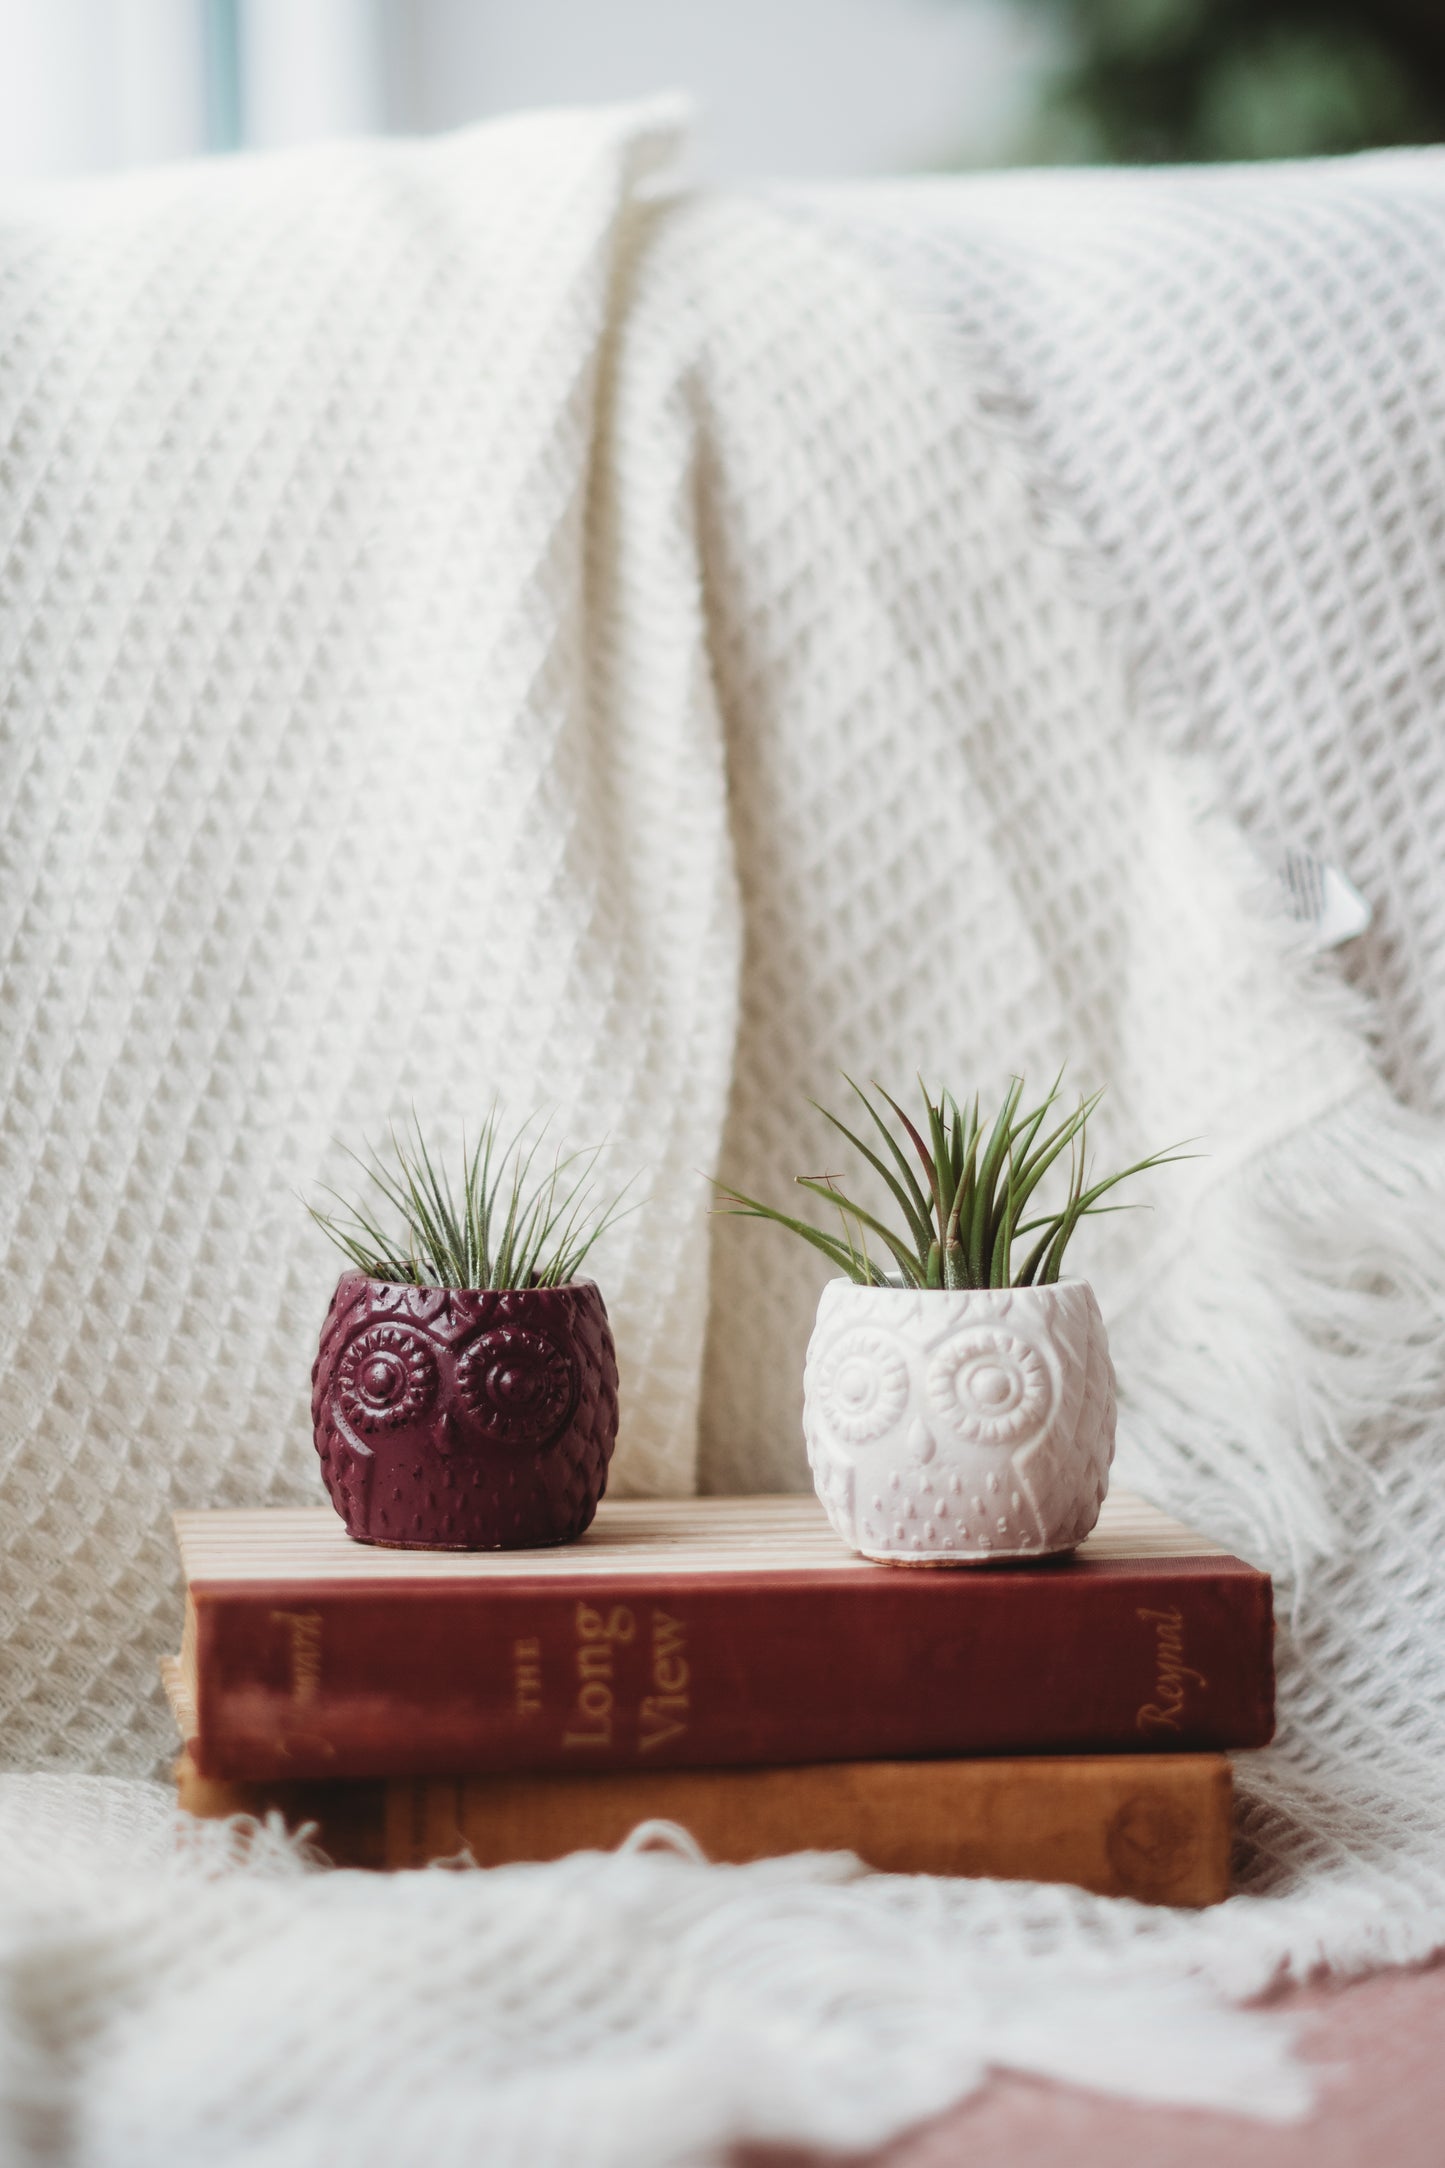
<point>958,1427</point>
<point>461,1419</point>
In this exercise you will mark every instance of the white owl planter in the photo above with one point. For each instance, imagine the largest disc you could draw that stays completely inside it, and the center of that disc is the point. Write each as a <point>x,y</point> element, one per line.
<point>958,1399</point>
<point>957,1427</point>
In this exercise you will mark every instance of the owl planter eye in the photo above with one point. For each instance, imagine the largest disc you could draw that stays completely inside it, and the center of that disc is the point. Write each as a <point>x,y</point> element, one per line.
<point>465,1390</point>
<point>991,1387</point>
<point>386,1377</point>
<point>863,1389</point>
<point>958,1396</point>
<point>518,1386</point>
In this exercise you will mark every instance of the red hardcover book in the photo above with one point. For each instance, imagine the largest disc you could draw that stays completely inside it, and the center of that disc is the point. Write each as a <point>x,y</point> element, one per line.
<point>708,1631</point>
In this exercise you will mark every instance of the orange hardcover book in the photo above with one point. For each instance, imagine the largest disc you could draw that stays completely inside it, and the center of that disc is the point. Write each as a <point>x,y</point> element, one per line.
<point>1152,1827</point>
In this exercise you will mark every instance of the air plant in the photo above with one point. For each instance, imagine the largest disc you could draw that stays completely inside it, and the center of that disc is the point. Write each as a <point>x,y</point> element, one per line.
<point>512,1223</point>
<point>963,1220</point>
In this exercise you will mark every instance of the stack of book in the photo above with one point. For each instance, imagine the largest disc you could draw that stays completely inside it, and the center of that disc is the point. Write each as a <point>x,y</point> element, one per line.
<point>724,1664</point>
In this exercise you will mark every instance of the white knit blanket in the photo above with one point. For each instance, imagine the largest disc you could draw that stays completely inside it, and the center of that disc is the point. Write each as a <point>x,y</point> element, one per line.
<point>470,620</point>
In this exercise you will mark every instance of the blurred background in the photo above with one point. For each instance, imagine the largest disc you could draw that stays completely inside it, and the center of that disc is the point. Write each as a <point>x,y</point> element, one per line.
<point>816,87</point>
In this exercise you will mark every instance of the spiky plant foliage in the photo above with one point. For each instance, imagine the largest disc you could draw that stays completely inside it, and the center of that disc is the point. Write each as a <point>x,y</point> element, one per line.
<point>962,1220</point>
<point>512,1223</point>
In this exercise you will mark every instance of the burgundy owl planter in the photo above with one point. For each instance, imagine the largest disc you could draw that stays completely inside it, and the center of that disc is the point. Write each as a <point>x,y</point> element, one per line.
<point>452,1419</point>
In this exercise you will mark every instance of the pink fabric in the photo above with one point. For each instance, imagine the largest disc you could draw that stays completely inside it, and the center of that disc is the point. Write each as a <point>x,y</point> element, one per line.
<point>1381,2046</point>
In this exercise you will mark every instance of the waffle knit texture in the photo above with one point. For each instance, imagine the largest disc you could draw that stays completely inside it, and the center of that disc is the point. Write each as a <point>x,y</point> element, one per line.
<point>473,620</point>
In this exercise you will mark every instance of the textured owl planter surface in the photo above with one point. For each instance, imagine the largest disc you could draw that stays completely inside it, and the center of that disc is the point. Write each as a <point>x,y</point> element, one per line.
<point>453,1419</point>
<point>952,1427</point>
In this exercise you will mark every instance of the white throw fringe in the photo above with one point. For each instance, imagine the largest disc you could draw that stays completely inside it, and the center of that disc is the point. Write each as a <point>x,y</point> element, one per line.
<point>687,2008</point>
<point>1302,1329</point>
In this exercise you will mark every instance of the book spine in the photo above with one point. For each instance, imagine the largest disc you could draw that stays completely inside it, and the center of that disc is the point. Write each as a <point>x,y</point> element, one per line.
<point>1152,1827</point>
<point>408,1680</point>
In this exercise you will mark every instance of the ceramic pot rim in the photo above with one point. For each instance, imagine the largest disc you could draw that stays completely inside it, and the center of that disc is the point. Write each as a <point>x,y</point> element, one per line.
<point>431,1287</point>
<point>893,1287</point>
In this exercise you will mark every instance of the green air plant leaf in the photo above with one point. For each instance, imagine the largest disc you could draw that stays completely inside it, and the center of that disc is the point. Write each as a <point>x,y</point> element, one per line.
<point>505,1228</point>
<point>961,1222</point>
